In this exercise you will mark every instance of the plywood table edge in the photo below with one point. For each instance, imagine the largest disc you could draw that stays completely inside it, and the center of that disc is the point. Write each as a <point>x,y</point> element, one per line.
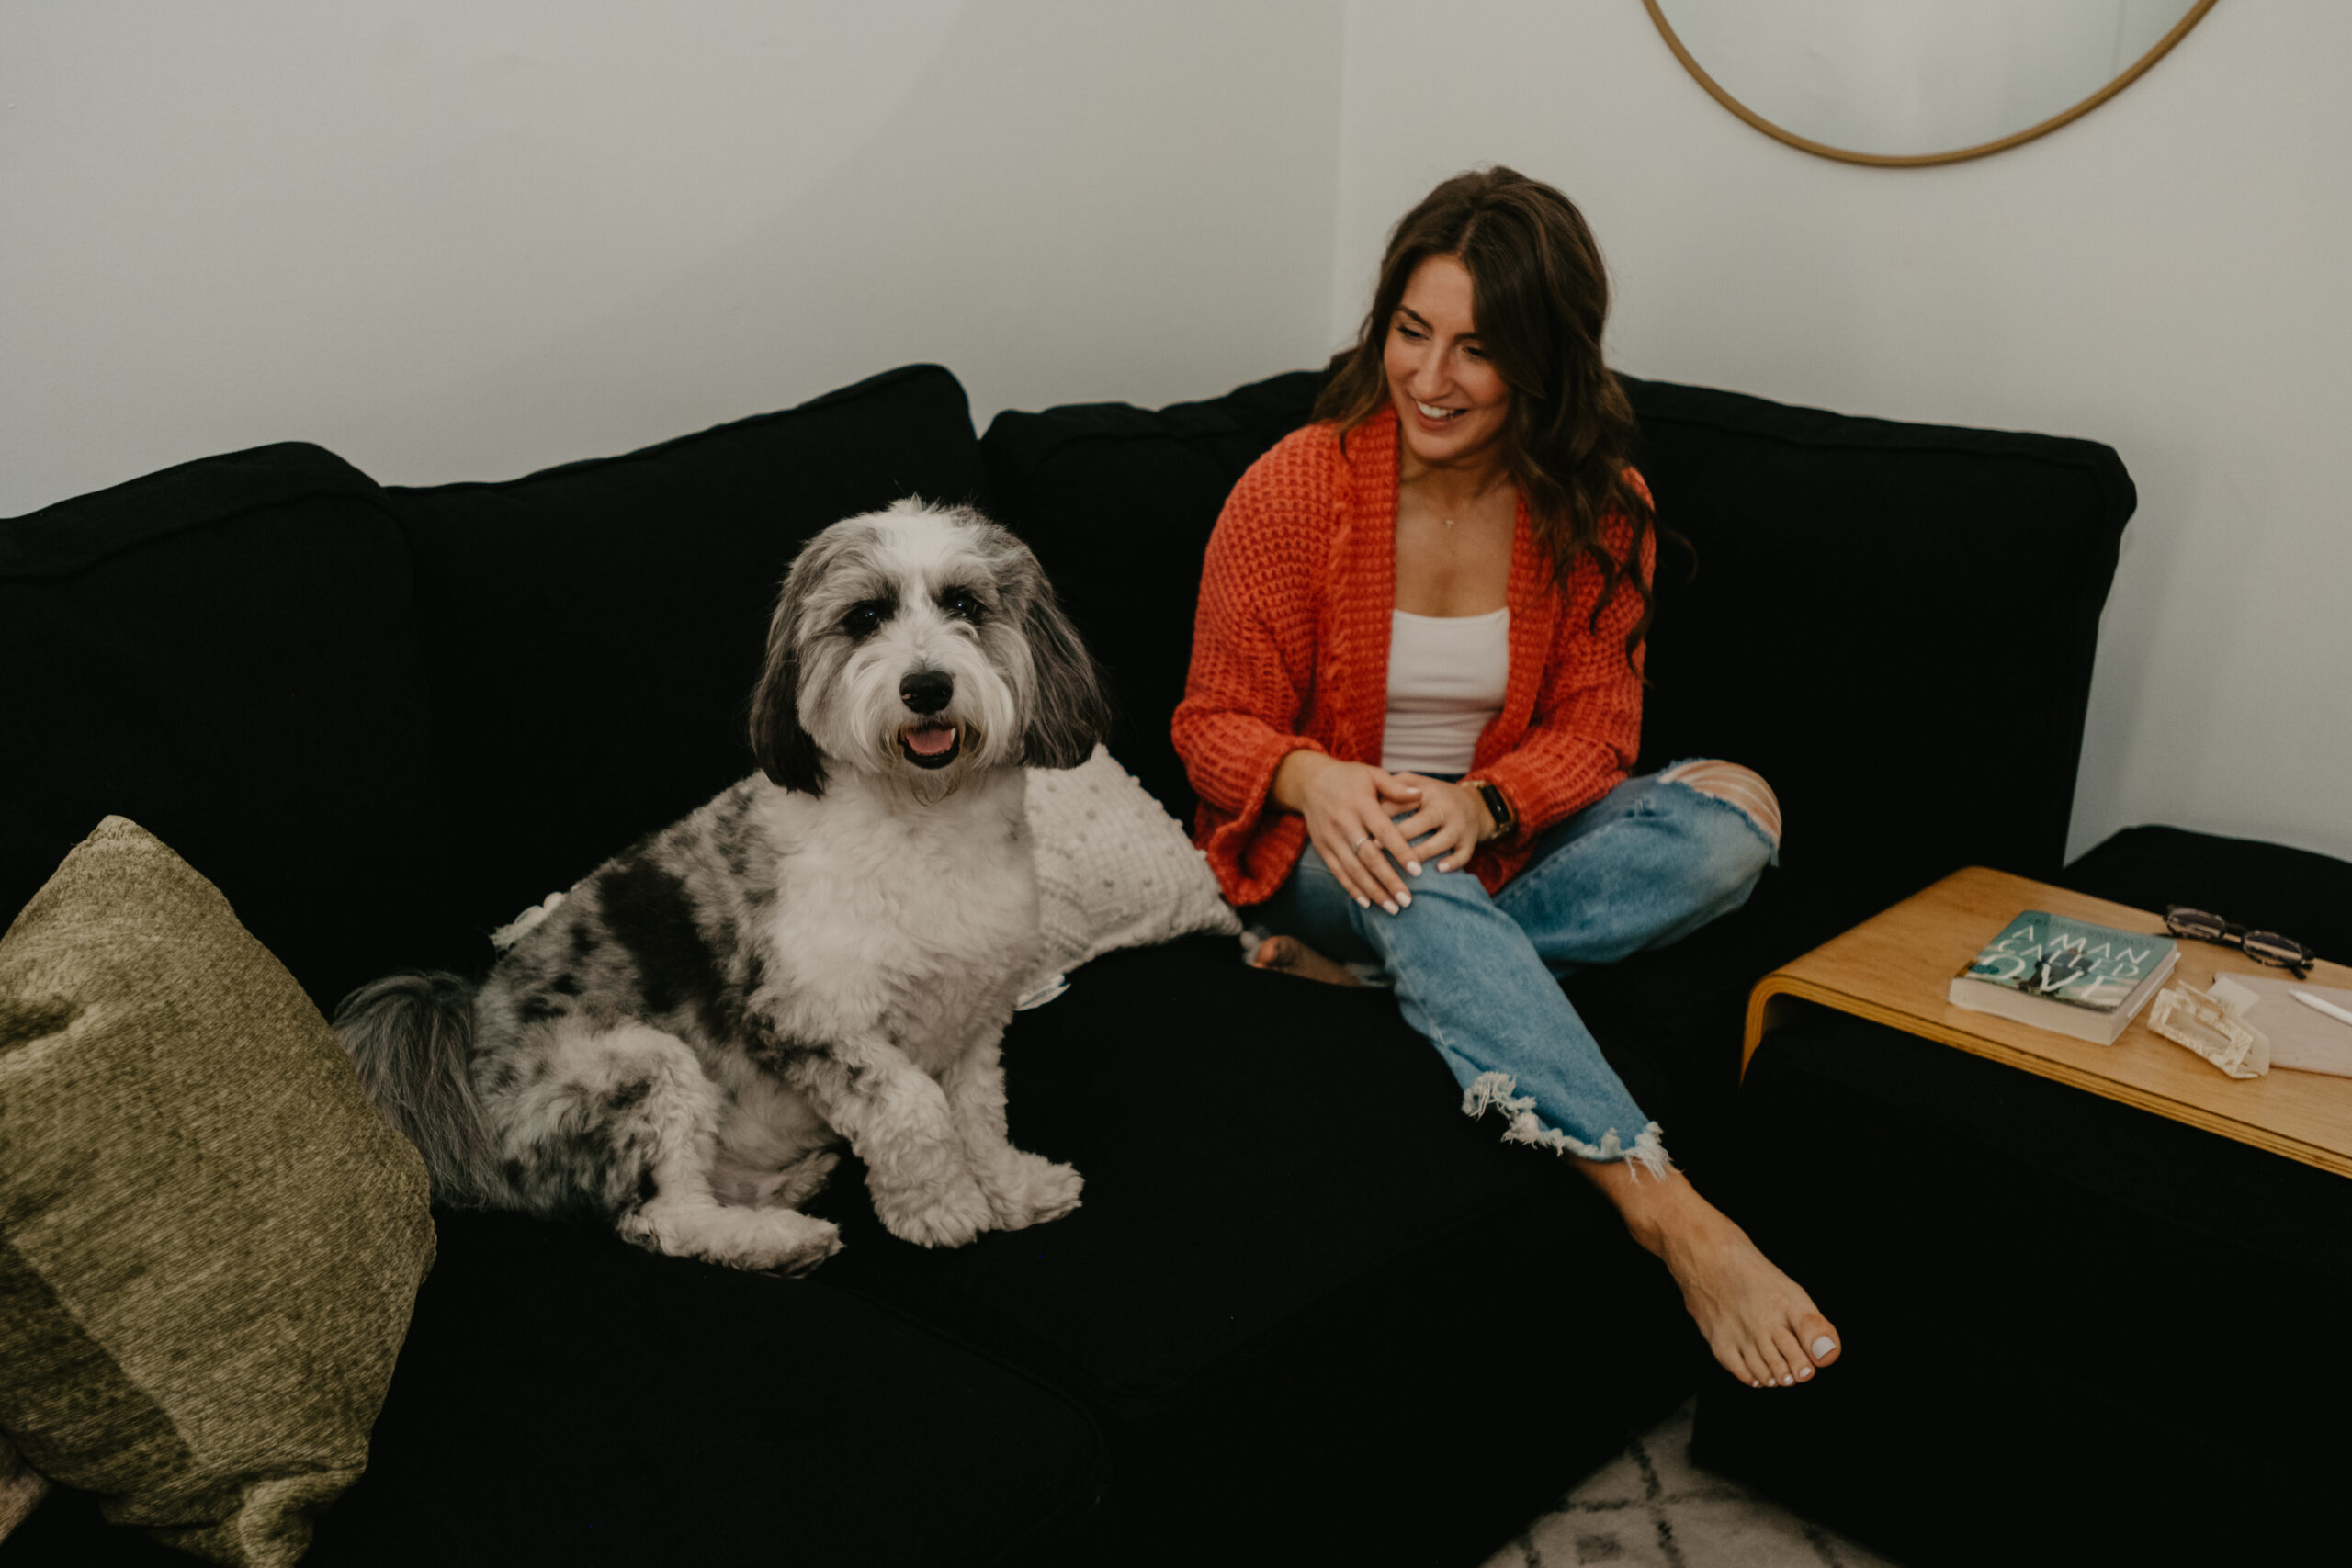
<point>1780,983</point>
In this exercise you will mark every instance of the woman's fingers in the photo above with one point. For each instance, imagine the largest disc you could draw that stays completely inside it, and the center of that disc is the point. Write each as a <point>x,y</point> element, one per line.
<point>1374,874</point>
<point>1387,836</point>
<point>1439,849</point>
<point>1336,862</point>
<point>1428,819</point>
<point>1355,860</point>
<point>1399,789</point>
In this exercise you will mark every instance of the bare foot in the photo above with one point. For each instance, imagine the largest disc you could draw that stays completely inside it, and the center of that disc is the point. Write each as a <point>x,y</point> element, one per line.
<point>1760,1324</point>
<point>1288,955</point>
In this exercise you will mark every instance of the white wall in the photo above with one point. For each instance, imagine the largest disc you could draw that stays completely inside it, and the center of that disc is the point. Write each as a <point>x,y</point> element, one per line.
<point>2167,275</point>
<point>462,239</point>
<point>457,239</point>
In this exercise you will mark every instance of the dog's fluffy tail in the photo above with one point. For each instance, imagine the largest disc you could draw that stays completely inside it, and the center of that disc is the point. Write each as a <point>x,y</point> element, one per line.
<point>410,1036</point>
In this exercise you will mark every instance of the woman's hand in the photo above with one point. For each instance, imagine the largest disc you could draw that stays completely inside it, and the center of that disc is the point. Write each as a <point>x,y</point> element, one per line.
<point>1349,809</point>
<point>1454,816</point>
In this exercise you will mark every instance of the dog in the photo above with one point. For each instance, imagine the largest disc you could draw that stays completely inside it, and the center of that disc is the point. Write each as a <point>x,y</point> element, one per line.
<point>827,952</point>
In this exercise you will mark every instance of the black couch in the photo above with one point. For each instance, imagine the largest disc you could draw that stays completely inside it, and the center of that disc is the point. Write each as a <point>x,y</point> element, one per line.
<point>1307,1306</point>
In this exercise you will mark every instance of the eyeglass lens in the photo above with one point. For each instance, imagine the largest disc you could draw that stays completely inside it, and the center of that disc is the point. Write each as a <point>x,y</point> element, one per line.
<point>2268,947</point>
<point>2272,948</point>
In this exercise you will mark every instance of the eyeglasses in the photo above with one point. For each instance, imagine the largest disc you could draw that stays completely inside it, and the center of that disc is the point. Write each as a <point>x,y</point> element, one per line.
<point>2263,947</point>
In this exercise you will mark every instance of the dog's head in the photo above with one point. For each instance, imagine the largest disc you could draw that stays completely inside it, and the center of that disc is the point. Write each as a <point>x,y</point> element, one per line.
<point>922,641</point>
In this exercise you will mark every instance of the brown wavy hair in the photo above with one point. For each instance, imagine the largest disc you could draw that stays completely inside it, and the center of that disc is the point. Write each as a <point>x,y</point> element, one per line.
<point>1539,295</point>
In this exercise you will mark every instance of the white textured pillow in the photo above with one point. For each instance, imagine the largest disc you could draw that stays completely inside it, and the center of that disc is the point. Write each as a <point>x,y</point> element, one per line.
<point>1113,870</point>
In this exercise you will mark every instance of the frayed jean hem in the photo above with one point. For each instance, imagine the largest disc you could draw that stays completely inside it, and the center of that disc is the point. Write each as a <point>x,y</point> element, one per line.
<point>1495,1091</point>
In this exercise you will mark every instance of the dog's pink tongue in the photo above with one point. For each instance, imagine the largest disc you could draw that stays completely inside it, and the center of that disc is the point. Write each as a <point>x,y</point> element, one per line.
<point>931,743</point>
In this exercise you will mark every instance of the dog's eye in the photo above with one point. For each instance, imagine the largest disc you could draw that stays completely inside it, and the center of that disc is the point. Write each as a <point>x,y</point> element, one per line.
<point>964,604</point>
<point>865,619</point>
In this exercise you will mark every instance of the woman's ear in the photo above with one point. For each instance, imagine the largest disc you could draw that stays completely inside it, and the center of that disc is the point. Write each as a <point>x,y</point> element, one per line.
<point>787,751</point>
<point>1071,711</point>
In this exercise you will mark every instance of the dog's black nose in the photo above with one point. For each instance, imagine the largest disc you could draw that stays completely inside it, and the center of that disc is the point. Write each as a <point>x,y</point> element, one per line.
<point>927,691</point>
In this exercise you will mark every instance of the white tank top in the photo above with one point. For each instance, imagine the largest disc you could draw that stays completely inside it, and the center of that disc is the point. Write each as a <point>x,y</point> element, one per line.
<point>1446,677</point>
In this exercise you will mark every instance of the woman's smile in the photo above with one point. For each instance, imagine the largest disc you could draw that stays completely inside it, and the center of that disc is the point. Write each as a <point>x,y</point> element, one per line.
<point>1450,399</point>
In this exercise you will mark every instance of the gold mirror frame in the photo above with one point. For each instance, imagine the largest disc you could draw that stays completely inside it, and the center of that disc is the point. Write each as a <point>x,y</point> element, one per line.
<point>1914,160</point>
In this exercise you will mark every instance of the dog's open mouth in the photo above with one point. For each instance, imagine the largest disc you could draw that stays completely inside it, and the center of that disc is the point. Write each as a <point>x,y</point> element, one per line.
<point>931,746</point>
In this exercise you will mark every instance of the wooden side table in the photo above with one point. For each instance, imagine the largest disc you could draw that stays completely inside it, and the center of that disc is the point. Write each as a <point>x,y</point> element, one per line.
<point>1894,968</point>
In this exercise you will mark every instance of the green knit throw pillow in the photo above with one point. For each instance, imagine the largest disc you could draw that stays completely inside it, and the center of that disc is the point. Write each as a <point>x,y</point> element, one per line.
<point>209,1241</point>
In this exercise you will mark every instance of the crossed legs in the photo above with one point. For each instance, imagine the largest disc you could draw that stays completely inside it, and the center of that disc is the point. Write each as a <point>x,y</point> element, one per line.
<point>1646,865</point>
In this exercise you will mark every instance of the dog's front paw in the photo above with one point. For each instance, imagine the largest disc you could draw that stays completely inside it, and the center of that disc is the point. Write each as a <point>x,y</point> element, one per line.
<point>1029,1190</point>
<point>781,1240</point>
<point>934,1218</point>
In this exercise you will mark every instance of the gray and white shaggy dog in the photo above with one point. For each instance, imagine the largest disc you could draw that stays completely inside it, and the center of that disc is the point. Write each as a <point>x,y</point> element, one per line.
<point>829,951</point>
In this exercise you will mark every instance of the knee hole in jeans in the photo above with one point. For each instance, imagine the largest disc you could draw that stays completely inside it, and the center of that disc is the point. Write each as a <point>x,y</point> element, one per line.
<point>1735,785</point>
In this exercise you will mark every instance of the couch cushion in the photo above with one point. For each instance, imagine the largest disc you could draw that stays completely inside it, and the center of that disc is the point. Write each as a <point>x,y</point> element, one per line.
<point>1893,623</point>
<point>208,1239</point>
<point>595,630</point>
<point>226,653</point>
<point>1299,1277</point>
<point>564,1399</point>
<point>1118,502</point>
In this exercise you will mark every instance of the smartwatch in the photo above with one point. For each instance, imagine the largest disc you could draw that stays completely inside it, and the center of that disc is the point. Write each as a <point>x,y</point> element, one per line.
<point>1496,806</point>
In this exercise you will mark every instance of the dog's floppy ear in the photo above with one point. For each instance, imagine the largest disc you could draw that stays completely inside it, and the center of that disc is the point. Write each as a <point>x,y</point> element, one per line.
<point>1072,709</point>
<point>787,751</point>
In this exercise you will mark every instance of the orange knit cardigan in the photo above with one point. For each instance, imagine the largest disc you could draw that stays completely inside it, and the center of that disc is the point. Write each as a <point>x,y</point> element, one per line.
<point>1290,652</point>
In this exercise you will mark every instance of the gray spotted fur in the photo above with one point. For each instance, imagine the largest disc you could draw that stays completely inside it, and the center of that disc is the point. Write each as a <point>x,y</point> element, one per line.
<point>825,953</point>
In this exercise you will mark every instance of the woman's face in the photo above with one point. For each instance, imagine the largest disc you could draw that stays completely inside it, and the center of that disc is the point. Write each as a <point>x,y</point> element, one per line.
<point>1451,403</point>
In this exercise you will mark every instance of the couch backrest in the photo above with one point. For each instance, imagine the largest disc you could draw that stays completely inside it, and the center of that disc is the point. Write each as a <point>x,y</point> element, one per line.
<point>1118,501</point>
<point>593,632</point>
<point>1895,622</point>
<point>384,721</point>
<point>226,653</point>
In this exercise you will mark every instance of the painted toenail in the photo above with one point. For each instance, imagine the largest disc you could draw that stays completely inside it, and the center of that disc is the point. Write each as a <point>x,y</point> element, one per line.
<point>1803,1372</point>
<point>1823,1345</point>
<point>1786,1382</point>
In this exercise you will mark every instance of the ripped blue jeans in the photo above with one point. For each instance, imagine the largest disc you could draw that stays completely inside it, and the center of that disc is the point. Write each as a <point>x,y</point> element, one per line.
<point>1478,975</point>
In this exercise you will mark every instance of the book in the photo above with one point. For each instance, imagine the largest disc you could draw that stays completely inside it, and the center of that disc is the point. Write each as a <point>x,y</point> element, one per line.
<point>2068,975</point>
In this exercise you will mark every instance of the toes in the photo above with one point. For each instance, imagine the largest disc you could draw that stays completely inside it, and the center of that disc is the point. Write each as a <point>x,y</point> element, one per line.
<point>1818,1338</point>
<point>1742,1363</point>
<point>1799,1364</point>
<point>1777,1370</point>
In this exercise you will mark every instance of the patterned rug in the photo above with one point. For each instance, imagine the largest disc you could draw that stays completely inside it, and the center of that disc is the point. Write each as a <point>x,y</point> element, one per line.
<point>1650,1506</point>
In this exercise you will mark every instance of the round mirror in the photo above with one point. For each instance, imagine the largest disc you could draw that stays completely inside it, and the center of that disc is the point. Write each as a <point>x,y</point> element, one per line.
<point>1918,80</point>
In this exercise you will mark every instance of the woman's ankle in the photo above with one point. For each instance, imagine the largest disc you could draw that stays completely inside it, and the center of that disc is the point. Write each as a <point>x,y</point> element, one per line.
<point>1659,1211</point>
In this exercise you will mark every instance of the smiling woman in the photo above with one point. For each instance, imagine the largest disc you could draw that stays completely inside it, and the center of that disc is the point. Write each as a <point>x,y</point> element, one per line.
<point>1416,697</point>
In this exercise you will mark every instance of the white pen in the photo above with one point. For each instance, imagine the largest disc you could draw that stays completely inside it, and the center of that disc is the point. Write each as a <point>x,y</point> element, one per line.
<point>2330,1008</point>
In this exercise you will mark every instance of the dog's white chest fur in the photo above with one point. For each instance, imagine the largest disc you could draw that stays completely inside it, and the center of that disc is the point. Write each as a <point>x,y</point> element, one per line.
<point>888,913</point>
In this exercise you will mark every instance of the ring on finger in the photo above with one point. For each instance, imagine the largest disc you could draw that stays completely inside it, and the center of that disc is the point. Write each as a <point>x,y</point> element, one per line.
<point>1359,844</point>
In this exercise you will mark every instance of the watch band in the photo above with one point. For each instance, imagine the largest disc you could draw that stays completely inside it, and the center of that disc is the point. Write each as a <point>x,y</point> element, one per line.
<point>1497,806</point>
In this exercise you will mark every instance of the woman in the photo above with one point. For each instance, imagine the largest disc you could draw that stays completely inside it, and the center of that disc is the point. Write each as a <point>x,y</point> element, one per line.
<point>1416,694</point>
